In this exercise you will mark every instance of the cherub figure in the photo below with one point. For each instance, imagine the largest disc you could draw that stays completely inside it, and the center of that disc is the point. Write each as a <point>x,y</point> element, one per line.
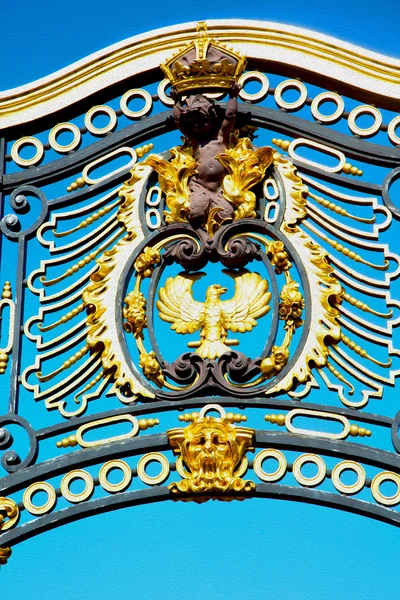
<point>196,117</point>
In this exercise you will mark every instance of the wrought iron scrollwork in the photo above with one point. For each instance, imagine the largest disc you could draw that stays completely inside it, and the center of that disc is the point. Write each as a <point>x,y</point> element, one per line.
<point>11,460</point>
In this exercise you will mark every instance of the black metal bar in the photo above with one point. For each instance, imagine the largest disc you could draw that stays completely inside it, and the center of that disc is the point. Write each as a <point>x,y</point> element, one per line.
<point>259,116</point>
<point>162,493</point>
<point>142,444</point>
<point>242,403</point>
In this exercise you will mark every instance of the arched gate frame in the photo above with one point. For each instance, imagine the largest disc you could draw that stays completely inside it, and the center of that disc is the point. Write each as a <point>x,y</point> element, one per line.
<point>96,214</point>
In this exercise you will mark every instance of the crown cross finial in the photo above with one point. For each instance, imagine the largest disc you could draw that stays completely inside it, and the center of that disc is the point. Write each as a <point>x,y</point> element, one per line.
<point>204,63</point>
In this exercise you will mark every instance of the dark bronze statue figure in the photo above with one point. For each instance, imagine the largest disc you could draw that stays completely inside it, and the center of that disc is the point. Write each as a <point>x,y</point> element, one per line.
<point>197,118</point>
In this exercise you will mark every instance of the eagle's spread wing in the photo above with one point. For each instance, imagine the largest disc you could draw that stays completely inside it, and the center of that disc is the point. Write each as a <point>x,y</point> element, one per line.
<point>250,302</point>
<point>176,304</point>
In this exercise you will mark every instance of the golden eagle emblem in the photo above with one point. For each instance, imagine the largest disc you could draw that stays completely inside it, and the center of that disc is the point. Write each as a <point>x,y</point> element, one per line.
<point>214,317</point>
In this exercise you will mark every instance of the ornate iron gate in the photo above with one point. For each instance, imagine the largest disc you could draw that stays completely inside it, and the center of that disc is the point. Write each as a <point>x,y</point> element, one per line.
<point>112,223</point>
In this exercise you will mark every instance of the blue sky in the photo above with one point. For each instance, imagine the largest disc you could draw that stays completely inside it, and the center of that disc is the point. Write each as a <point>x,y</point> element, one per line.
<point>40,37</point>
<point>257,549</point>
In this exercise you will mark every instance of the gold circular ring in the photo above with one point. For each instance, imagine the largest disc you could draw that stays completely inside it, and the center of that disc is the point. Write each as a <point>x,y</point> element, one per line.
<point>27,141</point>
<point>136,114</point>
<point>115,487</point>
<point>365,109</point>
<point>254,76</point>
<point>208,407</point>
<point>270,453</point>
<point>77,474</point>
<point>157,457</point>
<point>100,110</point>
<point>166,100</point>
<point>324,97</point>
<point>291,84</point>
<point>309,458</point>
<point>65,127</point>
<point>40,486</point>
<point>377,494</point>
<point>348,465</point>
<point>393,137</point>
<point>181,469</point>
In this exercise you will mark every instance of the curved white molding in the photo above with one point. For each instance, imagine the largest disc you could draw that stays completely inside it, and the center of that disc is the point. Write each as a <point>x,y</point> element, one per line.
<point>283,44</point>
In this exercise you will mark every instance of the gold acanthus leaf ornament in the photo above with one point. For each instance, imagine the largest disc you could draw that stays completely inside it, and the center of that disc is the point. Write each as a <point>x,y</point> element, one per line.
<point>214,317</point>
<point>5,554</point>
<point>212,454</point>
<point>173,178</point>
<point>245,167</point>
<point>9,513</point>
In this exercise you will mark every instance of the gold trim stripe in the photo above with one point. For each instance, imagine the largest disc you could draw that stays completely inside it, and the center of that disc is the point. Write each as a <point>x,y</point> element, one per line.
<point>292,46</point>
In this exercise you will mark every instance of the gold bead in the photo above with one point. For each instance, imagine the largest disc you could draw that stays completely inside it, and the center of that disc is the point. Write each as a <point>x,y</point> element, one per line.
<point>7,293</point>
<point>353,430</point>
<point>230,416</point>
<point>69,189</point>
<point>74,186</point>
<point>280,419</point>
<point>347,168</point>
<point>80,182</point>
<point>361,431</point>
<point>143,424</point>
<point>272,418</point>
<point>59,444</point>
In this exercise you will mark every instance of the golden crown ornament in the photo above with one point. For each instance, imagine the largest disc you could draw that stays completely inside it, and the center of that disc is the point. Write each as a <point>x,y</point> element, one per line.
<point>204,63</point>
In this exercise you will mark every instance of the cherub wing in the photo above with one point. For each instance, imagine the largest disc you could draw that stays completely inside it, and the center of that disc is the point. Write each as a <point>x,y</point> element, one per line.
<point>250,302</point>
<point>177,306</point>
